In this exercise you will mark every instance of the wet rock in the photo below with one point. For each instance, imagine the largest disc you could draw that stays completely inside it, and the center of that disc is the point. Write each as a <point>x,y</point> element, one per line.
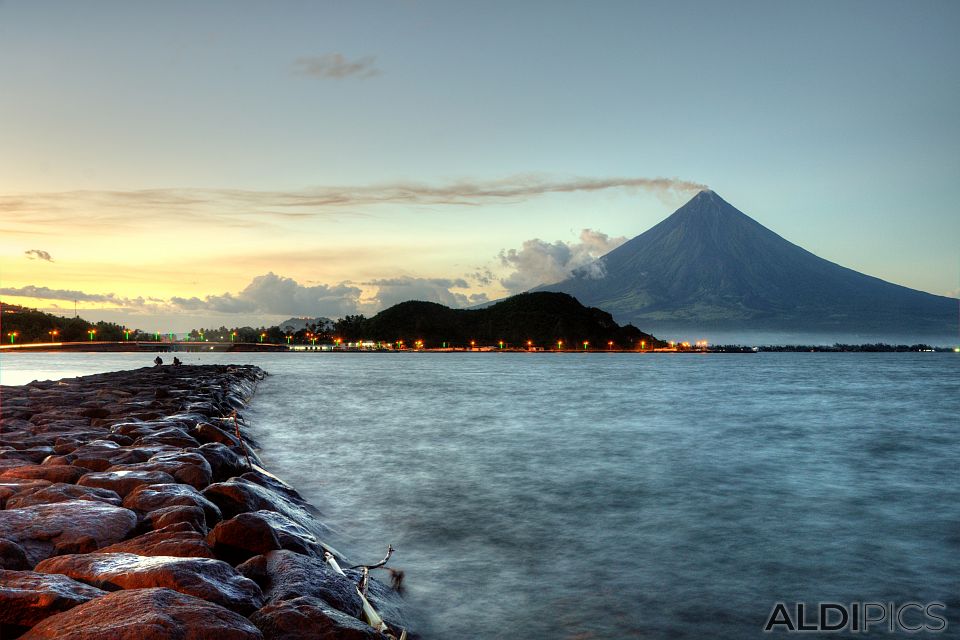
<point>165,516</point>
<point>12,556</point>
<point>27,597</point>
<point>180,540</point>
<point>223,462</point>
<point>172,435</point>
<point>45,472</point>
<point>186,467</point>
<point>285,575</point>
<point>148,498</point>
<point>212,580</point>
<point>40,529</point>
<point>240,495</point>
<point>307,617</point>
<point>157,614</point>
<point>385,600</point>
<point>208,433</point>
<point>12,486</point>
<point>123,482</point>
<point>258,532</point>
<point>61,493</point>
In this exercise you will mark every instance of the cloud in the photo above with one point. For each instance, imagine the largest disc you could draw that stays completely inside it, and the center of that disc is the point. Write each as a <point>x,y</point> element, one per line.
<point>38,254</point>
<point>334,65</point>
<point>249,208</point>
<point>46,293</point>
<point>392,291</point>
<point>273,294</point>
<point>539,262</point>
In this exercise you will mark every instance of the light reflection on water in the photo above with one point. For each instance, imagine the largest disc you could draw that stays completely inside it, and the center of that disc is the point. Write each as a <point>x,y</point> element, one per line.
<point>616,495</point>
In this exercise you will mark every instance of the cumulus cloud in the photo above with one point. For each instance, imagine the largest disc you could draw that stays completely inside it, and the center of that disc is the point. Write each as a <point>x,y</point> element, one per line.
<point>392,291</point>
<point>38,254</point>
<point>275,294</point>
<point>336,66</point>
<point>539,262</point>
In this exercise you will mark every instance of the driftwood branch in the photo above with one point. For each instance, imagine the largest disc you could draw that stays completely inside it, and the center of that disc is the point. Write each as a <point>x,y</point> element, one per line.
<point>379,564</point>
<point>236,427</point>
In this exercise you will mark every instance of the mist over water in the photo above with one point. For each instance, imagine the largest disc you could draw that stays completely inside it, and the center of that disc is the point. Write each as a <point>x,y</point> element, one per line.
<point>617,495</point>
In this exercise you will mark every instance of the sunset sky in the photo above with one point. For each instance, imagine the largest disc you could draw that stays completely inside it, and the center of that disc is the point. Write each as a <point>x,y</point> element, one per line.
<point>178,164</point>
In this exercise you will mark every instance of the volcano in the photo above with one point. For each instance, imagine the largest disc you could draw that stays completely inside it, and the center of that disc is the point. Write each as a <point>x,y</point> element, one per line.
<point>710,270</point>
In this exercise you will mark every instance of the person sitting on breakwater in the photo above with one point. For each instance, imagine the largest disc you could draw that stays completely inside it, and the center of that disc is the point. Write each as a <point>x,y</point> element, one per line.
<point>176,361</point>
<point>157,361</point>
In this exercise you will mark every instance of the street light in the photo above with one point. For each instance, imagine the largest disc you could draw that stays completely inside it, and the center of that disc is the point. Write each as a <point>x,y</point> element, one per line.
<point>91,333</point>
<point>233,336</point>
<point>126,334</point>
<point>53,335</point>
<point>559,345</point>
<point>13,336</point>
<point>585,344</point>
<point>262,336</point>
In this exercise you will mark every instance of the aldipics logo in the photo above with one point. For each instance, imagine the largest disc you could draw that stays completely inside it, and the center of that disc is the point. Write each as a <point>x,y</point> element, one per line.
<point>859,617</point>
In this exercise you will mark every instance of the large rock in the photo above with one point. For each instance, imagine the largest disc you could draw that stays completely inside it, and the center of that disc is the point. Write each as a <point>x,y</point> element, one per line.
<point>12,556</point>
<point>165,516</point>
<point>148,498</point>
<point>123,482</point>
<point>45,472</point>
<point>180,540</point>
<point>140,614</point>
<point>284,575</point>
<point>242,495</point>
<point>307,617</point>
<point>188,468</point>
<point>45,529</point>
<point>12,486</point>
<point>224,462</point>
<point>212,580</point>
<point>251,534</point>
<point>61,492</point>
<point>27,597</point>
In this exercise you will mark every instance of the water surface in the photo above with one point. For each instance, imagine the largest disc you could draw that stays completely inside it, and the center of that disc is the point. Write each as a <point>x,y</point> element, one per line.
<point>617,495</point>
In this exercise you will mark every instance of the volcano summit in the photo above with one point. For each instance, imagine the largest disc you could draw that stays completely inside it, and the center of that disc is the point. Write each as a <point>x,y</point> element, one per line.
<point>709,270</point>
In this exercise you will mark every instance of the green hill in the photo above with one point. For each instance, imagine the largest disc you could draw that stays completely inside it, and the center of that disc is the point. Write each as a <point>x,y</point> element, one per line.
<point>543,318</point>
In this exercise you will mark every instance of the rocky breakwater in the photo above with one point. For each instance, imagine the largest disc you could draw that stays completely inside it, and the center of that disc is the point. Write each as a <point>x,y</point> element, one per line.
<point>132,505</point>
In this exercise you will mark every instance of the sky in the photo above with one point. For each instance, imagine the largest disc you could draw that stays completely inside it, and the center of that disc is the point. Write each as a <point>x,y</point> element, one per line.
<point>179,164</point>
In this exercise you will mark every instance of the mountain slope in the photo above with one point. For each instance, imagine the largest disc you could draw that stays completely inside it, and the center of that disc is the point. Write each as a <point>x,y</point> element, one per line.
<point>709,267</point>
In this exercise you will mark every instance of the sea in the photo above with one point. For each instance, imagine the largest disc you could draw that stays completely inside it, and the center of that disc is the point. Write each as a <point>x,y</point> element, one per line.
<point>612,495</point>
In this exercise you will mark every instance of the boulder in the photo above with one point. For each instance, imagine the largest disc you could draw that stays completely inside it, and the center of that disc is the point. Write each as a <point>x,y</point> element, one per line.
<point>224,463</point>
<point>307,617</point>
<point>157,614</point>
<point>12,556</point>
<point>166,516</point>
<point>41,529</point>
<point>180,540</point>
<point>258,532</point>
<point>241,495</point>
<point>61,493</point>
<point>123,482</point>
<point>285,575</point>
<point>212,580</point>
<point>45,472</point>
<point>146,498</point>
<point>188,468</point>
<point>10,487</point>
<point>27,597</point>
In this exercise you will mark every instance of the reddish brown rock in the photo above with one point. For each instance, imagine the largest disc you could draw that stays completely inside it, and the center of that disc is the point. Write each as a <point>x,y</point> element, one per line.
<point>140,614</point>
<point>307,617</point>
<point>45,472</point>
<point>242,495</point>
<point>61,493</point>
<point>42,528</point>
<point>166,516</point>
<point>123,482</point>
<point>185,467</point>
<point>212,580</point>
<point>224,462</point>
<point>284,575</point>
<point>180,540</point>
<point>27,597</point>
<point>251,534</point>
<point>12,486</point>
<point>148,498</point>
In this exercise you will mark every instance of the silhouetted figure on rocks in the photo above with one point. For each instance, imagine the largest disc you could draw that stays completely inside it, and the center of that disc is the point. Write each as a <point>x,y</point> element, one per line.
<point>157,361</point>
<point>176,361</point>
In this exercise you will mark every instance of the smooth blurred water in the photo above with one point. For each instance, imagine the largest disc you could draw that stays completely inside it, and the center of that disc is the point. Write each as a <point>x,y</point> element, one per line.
<point>617,495</point>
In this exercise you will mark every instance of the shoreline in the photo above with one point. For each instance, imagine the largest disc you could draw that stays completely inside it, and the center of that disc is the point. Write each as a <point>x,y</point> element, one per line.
<point>134,500</point>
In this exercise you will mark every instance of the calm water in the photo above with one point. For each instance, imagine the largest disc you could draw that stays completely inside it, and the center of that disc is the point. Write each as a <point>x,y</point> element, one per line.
<point>617,496</point>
